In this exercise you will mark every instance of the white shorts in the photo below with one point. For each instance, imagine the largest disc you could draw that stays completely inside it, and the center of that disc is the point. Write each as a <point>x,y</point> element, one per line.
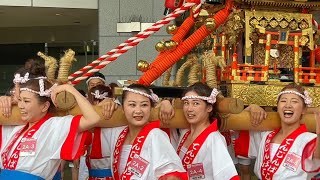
<point>83,169</point>
<point>242,161</point>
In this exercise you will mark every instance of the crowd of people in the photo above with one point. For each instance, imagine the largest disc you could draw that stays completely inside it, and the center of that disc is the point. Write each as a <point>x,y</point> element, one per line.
<point>38,147</point>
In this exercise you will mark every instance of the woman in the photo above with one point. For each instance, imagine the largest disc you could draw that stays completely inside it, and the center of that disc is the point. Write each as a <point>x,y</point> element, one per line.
<point>99,93</point>
<point>32,68</point>
<point>202,148</point>
<point>98,159</point>
<point>141,150</point>
<point>289,152</point>
<point>34,150</point>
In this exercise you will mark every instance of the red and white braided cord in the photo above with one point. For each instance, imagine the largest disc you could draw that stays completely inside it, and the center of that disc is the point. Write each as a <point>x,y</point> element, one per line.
<point>128,44</point>
<point>196,11</point>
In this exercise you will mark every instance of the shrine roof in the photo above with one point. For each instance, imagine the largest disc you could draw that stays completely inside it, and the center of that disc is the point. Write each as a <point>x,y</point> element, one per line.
<point>282,3</point>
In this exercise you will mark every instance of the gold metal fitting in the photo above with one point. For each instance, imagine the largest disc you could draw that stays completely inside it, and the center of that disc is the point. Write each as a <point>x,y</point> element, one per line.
<point>143,65</point>
<point>170,45</point>
<point>210,24</point>
<point>171,29</point>
<point>160,46</point>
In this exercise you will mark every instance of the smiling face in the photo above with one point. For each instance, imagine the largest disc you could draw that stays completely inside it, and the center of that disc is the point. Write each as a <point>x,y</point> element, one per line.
<point>290,108</point>
<point>137,109</point>
<point>31,109</point>
<point>196,110</point>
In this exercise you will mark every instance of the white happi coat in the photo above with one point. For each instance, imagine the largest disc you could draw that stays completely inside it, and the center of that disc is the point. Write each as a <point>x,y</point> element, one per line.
<point>173,135</point>
<point>256,150</point>
<point>57,139</point>
<point>156,149</point>
<point>102,157</point>
<point>215,157</point>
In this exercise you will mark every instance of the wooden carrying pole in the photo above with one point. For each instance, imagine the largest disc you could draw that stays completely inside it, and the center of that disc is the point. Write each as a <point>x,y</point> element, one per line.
<point>239,121</point>
<point>67,105</point>
<point>117,119</point>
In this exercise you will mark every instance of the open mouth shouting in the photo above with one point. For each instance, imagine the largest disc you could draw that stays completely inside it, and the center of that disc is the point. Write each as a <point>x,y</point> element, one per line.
<point>288,113</point>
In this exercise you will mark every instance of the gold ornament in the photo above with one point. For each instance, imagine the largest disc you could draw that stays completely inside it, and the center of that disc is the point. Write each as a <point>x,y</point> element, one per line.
<point>264,23</point>
<point>174,45</point>
<point>171,29</point>
<point>274,23</point>
<point>167,45</point>
<point>303,40</point>
<point>254,22</point>
<point>160,46</point>
<point>170,45</point>
<point>284,24</point>
<point>237,17</point>
<point>293,25</point>
<point>210,24</point>
<point>303,25</point>
<point>142,65</point>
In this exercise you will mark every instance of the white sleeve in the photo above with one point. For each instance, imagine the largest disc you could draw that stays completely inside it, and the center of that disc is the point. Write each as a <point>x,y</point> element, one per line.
<point>109,138</point>
<point>66,143</point>
<point>173,135</point>
<point>164,158</point>
<point>106,136</point>
<point>6,132</point>
<point>310,164</point>
<point>174,138</point>
<point>219,153</point>
<point>255,141</point>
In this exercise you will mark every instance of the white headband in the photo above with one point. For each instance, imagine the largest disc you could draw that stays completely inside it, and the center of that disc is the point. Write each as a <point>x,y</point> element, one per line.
<point>25,78</point>
<point>42,92</point>
<point>211,99</point>
<point>305,96</point>
<point>153,96</point>
<point>19,79</point>
<point>95,77</point>
<point>97,94</point>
